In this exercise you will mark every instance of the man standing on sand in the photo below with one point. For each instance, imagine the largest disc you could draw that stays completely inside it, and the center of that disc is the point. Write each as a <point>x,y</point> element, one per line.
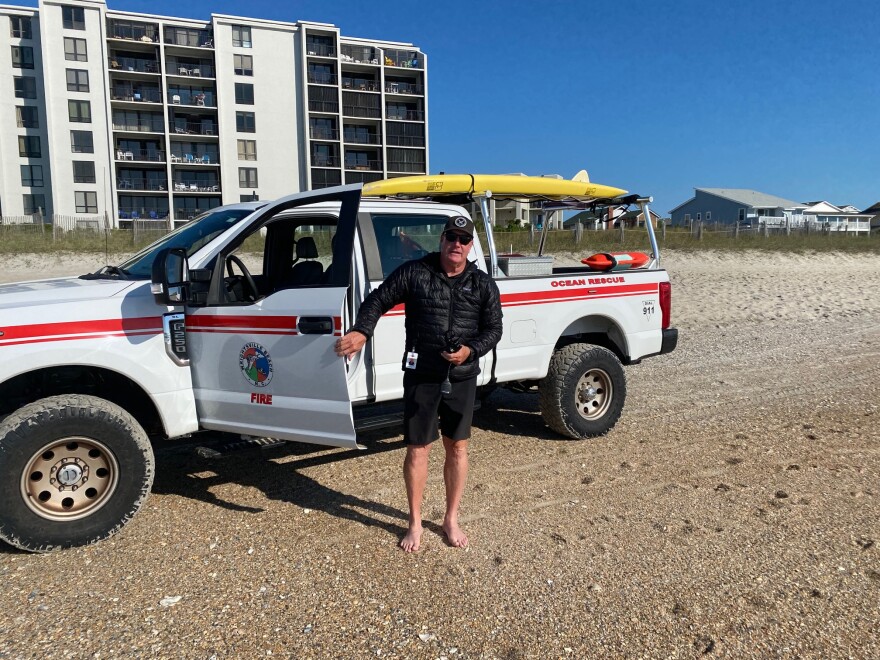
<point>453,318</point>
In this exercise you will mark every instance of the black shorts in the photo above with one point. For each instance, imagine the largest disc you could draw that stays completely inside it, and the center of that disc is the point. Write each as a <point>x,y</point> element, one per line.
<point>423,403</point>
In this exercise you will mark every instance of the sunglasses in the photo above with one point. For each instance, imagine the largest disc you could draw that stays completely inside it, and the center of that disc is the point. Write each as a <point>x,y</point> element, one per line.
<point>452,237</point>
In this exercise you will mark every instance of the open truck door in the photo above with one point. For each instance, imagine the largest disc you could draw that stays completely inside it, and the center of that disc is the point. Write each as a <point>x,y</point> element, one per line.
<point>260,332</point>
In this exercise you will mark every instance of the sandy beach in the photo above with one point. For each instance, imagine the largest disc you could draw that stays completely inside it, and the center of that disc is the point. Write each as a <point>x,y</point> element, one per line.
<point>733,512</point>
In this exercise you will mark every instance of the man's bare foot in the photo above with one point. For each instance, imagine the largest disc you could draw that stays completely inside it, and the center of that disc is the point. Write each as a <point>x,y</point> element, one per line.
<point>413,539</point>
<point>454,535</point>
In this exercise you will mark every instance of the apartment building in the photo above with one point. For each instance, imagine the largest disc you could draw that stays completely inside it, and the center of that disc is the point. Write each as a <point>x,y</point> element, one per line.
<point>139,116</point>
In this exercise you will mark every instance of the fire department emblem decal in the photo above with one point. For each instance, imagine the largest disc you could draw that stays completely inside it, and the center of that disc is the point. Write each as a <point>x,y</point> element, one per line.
<point>255,364</point>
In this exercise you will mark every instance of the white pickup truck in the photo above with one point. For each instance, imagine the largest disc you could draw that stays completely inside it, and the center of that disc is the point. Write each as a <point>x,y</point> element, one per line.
<point>229,324</point>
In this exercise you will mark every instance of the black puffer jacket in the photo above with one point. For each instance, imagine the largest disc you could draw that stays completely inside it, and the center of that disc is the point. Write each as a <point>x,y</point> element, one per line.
<point>467,306</point>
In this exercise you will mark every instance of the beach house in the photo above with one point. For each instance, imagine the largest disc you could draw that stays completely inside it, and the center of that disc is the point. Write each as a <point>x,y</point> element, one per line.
<point>729,206</point>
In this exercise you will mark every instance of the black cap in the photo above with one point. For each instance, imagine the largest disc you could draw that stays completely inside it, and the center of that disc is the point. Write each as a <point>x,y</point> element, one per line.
<point>460,223</point>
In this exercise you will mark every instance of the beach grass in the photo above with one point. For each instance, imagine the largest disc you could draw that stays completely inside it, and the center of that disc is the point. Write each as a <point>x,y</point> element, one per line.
<point>31,239</point>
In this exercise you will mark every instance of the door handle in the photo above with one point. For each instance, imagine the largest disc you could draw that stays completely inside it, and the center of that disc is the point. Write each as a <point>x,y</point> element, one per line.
<point>315,325</point>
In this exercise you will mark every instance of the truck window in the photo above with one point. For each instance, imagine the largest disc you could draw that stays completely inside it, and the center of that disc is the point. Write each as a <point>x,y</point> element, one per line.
<point>190,236</point>
<point>292,252</point>
<point>401,238</point>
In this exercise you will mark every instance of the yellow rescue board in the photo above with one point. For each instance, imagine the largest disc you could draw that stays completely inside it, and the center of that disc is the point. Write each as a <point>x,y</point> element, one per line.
<point>501,185</point>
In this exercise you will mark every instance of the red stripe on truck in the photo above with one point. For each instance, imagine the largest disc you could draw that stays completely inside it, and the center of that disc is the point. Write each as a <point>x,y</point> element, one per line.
<point>69,330</point>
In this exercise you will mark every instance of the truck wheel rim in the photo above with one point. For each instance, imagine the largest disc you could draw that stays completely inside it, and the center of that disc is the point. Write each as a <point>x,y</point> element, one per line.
<point>69,478</point>
<point>594,394</point>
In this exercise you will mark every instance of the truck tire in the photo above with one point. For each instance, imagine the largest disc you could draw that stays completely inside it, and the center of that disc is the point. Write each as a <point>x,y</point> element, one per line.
<point>583,393</point>
<point>74,469</point>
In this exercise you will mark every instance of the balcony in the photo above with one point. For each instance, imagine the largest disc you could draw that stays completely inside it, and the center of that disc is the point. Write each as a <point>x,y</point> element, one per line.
<point>362,177</point>
<point>133,31</point>
<point>325,178</point>
<point>404,59</point>
<point>400,87</point>
<point>352,136</point>
<point>319,160</point>
<point>135,183</point>
<point>140,213</point>
<point>360,84</point>
<point>136,94</point>
<point>190,38</point>
<point>405,114</point>
<point>132,64</point>
<point>196,186</point>
<point>323,106</point>
<point>195,157</point>
<point>195,97</point>
<point>357,104</point>
<point>189,214</point>
<point>194,128</point>
<point>322,78</point>
<point>769,220</point>
<point>404,140</point>
<point>323,133</point>
<point>361,111</point>
<point>190,68</point>
<point>403,166</point>
<point>322,48</point>
<point>155,126</point>
<point>142,155</point>
<point>359,54</point>
<point>363,164</point>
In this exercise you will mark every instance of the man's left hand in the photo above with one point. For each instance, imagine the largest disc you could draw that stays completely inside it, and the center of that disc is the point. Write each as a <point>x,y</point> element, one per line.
<point>459,357</point>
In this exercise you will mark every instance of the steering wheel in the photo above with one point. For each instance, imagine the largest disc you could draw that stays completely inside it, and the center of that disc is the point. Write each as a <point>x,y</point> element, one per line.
<point>253,293</point>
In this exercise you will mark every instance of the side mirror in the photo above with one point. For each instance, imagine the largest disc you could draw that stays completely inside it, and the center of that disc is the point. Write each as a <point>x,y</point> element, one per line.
<point>170,279</point>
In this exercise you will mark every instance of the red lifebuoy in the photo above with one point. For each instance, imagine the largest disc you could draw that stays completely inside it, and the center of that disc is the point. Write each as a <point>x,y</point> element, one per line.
<point>616,260</point>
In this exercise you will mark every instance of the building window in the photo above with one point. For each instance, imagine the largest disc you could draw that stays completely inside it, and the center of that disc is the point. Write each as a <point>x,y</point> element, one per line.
<point>83,171</point>
<point>75,50</point>
<point>325,155</point>
<point>253,197</point>
<point>80,111</point>
<point>708,216</point>
<point>247,177</point>
<point>324,46</point>
<point>245,122</point>
<point>241,36</point>
<point>20,27</point>
<point>324,74</point>
<point>247,149</point>
<point>687,218</point>
<point>133,30</point>
<point>86,202</point>
<point>73,18</point>
<point>25,87</point>
<point>26,116</point>
<point>244,93</point>
<point>404,160</point>
<point>741,215</point>
<point>29,146</point>
<point>405,135</point>
<point>32,175</point>
<point>81,142</point>
<point>77,80</point>
<point>22,57</point>
<point>699,217</point>
<point>34,203</point>
<point>243,65</point>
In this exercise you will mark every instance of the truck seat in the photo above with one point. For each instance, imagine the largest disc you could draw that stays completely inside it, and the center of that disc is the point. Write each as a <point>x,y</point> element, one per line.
<point>303,270</point>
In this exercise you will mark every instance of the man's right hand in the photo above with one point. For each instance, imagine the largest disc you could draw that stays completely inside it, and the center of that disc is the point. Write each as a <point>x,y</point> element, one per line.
<point>350,343</point>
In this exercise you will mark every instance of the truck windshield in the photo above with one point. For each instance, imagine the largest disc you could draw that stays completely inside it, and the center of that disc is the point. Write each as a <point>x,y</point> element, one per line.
<point>190,236</point>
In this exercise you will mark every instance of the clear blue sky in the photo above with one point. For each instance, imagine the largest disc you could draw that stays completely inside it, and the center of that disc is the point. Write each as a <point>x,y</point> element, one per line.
<point>654,96</point>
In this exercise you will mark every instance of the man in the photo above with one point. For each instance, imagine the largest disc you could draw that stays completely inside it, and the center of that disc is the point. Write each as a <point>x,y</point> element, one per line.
<point>453,317</point>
